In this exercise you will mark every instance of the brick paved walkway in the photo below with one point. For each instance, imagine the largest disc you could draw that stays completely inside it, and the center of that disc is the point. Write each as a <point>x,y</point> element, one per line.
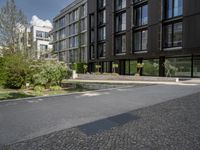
<point>170,125</point>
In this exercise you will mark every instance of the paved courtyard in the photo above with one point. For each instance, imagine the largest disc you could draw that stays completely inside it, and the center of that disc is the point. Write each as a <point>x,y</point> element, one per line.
<point>147,117</point>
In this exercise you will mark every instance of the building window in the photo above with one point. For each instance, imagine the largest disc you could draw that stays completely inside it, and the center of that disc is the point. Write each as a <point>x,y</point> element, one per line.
<point>83,38</point>
<point>140,40</point>
<point>181,67</point>
<point>43,47</point>
<point>120,4</point>
<point>92,52</point>
<point>92,37</point>
<point>120,22</point>
<point>101,4</point>
<point>120,44</point>
<point>102,17</point>
<point>106,67</point>
<point>173,8</point>
<point>151,67</point>
<point>102,34</point>
<point>42,34</point>
<point>62,22</point>
<point>130,67</point>
<point>91,26</point>
<point>137,1</point>
<point>101,49</point>
<point>73,42</point>
<point>83,10</point>
<point>172,35</point>
<point>196,66</point>
<point>91,21</point>
<point>141,15</point>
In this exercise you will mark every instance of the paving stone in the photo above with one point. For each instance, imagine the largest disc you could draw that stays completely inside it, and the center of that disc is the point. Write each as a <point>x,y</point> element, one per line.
<point>173,125</point>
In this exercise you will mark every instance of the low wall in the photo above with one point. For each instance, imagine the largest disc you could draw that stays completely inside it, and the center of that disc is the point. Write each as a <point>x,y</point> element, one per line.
<point>125,78</point>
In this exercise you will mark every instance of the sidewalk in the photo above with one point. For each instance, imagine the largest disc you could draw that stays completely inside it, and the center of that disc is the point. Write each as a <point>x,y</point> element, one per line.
<point>189,82</point>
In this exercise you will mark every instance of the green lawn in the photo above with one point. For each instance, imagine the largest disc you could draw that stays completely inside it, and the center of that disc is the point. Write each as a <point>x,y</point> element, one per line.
<point>6,94</point>
<point>13,95</point>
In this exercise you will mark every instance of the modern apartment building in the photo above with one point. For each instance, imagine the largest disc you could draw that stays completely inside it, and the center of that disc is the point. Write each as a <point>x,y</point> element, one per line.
<point>70,33</point>
<point>40,41</point>
<point>162,34</point>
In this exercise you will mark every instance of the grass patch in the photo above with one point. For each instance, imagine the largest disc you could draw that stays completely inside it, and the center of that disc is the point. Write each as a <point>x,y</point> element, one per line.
<point>13,95</point>
<point>6,94</point>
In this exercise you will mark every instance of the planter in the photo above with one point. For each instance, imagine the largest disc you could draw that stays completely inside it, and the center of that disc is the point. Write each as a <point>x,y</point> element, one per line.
<point>122,77</point>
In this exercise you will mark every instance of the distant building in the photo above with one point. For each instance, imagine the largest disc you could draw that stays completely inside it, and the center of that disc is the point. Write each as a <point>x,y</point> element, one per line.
<point>70,33</point>
<point>40,41</point>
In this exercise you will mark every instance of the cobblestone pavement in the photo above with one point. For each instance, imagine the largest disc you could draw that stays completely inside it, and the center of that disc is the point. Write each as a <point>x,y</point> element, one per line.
<point>173,125</point>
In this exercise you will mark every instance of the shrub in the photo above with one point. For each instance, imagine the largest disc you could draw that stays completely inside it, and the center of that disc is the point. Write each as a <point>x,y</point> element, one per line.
<point>39,88</point>
<point>2,71</point>
<point>55,88</point>
<point>16,71</point>
<point>49,73</point>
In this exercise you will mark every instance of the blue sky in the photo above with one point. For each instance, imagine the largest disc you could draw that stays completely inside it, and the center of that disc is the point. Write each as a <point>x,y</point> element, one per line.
<point>44,9</point>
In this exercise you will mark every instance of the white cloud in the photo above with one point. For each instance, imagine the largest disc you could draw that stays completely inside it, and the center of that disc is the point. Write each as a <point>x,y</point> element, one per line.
<point>36,21</point>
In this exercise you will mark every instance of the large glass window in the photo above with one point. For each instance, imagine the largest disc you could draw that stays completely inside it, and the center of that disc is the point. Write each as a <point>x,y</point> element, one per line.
<point>173,8</point>
<point>73,42</point>
<point>178,66</point>
<point>172,35</point>
<point>102,34</point>
<point>120,44</point>
<point>196,66</point>
<point>140,40</point>
<point>141,15</point>
<point>92,52</point>
<point>130,67</point>
<point>133,67</point>
<point>120,22</point>
<point>101,4</point>
<point>101,49</point>
<point>106,66</point>
<point>120,4</point>
<point>151,67</point>
<point>91,21</point>
<point>42,34</point>
<point>102,17</point>
<point>83,10</point>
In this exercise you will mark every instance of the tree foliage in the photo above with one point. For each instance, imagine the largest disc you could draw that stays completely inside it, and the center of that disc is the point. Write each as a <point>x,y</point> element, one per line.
<point>12,25</point>
<point>15,71</point>
<point>49,73</point>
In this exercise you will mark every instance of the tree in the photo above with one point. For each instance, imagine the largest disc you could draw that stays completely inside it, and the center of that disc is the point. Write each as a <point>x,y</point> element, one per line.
<point>15,71</point>
<point>13,24</point>
<point>49,73</point>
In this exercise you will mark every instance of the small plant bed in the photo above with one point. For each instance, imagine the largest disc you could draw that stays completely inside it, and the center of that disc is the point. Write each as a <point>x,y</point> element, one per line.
<point>8,94</point>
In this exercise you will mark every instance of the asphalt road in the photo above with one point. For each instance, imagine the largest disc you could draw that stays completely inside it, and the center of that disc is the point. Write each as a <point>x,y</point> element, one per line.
<point>22,120</point>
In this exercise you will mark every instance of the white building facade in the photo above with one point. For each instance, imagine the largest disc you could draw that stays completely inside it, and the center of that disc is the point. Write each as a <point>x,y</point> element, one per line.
<point>40,38</point>
<point>70,33</point>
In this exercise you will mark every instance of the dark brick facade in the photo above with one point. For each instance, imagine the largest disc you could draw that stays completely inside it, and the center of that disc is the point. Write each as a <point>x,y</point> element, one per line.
<point>190,37</point>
